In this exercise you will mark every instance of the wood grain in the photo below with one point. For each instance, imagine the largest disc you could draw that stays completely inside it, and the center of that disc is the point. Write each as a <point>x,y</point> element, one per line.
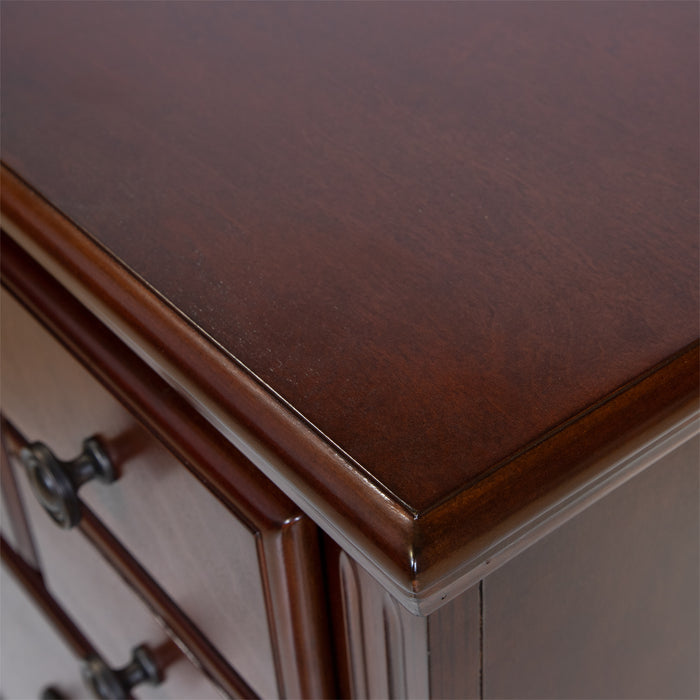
<point>424,265</point>
<point>446,540</point>
<point>407,220</point>
<point>399,255</point>
<point>202,556</point>
<point>382,650</point>
<point>197,376</point>
<point>104,601</point>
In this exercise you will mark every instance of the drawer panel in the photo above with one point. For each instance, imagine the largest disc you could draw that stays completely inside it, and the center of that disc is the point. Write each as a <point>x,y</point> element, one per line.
<point>202,555</point>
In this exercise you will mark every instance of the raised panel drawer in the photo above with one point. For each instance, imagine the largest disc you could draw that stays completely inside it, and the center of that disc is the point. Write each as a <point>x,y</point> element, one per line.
<point>209,559</point>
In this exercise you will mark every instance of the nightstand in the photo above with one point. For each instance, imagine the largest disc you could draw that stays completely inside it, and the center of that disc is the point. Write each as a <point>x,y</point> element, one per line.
<point>350,350</point>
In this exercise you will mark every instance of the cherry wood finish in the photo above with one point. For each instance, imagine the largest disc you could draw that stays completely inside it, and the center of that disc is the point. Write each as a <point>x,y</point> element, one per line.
<point>402,545</point>
<point>605,606</point>
<point>91,592</point>
<point>455,633</point>
<point>384,652</point>
<point>31,621</point>
<point>24,628</point>
<point>442,188</point>
<point>475,203</point>
<point>424,274</point>
<point>161,514</point>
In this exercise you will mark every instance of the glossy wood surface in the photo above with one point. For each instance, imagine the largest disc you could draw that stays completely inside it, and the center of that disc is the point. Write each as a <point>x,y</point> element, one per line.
<point>437,230</point>
<point>415,553</point>
<point>119,580</point>
<point>381,650</point>
<point>608,605</point>
<point>425,266</point>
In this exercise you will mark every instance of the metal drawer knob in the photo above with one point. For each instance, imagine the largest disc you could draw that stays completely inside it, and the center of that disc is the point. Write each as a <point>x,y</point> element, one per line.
<point>56,483</point>
<point>112,684</point>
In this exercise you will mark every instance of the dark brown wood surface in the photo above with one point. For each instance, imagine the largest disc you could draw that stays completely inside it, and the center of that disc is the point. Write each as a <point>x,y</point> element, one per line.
<point>440,232</point>
<point>382,651</point>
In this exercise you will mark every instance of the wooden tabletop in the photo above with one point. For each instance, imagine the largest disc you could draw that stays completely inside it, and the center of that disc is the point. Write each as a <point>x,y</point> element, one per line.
<point>439,233</point>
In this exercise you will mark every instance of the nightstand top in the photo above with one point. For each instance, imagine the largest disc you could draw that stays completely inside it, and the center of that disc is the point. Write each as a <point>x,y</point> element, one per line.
<point>439,235</point>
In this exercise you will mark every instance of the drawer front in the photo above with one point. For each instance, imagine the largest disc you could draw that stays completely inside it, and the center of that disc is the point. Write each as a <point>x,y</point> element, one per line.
<point>106,610</point>
<point>203,556</point>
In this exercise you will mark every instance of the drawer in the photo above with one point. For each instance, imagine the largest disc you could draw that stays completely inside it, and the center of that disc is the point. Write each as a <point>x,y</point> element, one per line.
<point>37,655</point>
<point>210,559</point>
<point>105,608</point>
<point>76,566</point>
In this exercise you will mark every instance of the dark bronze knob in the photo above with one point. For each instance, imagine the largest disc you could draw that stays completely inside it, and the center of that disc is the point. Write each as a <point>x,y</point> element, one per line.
<point>56,483</point>
<point>112,684</point>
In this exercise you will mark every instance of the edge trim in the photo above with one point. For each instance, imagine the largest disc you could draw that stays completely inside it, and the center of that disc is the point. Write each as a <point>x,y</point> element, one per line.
<point>423,559</point>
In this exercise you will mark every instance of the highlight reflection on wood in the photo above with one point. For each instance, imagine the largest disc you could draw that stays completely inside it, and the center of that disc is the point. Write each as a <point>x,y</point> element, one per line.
<point>388,314</point>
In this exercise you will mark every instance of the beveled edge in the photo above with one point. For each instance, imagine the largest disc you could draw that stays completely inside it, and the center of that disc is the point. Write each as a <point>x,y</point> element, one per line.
<point>423,559</point>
